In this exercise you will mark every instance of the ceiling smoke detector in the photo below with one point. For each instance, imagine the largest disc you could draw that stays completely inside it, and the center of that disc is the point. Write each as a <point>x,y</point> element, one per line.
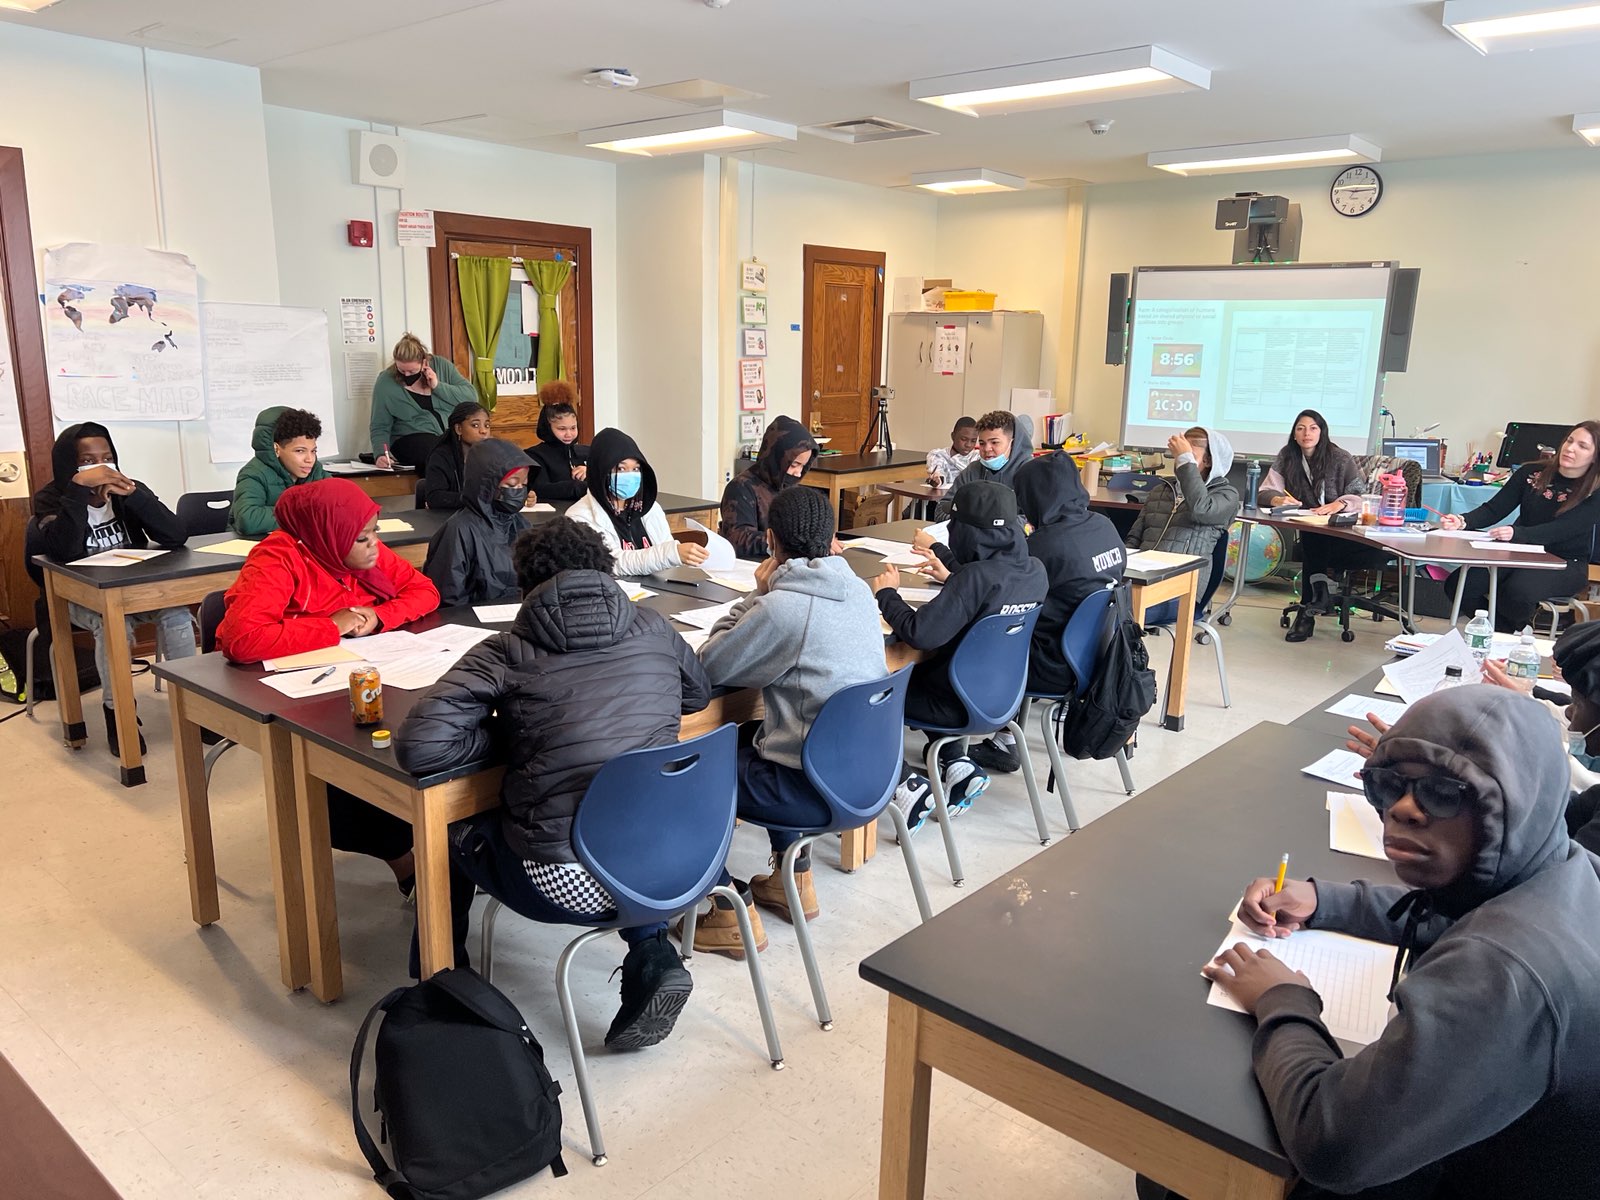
<point>612,77</point>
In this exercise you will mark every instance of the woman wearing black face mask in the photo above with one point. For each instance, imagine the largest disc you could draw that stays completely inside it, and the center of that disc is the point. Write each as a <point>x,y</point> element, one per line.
<point>469,559</point>
<point>411,402</point>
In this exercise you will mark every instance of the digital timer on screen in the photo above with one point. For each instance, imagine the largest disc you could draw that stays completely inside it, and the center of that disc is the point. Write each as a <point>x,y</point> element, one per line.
<point>1175,359</point>
<point>1173,404</point>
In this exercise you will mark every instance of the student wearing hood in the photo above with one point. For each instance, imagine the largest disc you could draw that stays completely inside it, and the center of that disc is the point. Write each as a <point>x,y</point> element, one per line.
<point>90,507</point>
<point>324,575</point>
<point>1188,515</point>
<point>1486,1083</point>
<point>469,558</point>
<point>621,506</point>
<point>285,443</point>
<point>987,570</point>
<point>442,478</point>
<point>560,461</point>
<point>1005,442</point>
<point>787,453</point>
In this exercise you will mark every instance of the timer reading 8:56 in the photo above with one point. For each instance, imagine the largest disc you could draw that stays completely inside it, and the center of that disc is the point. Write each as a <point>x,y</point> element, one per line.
<point>1180,359</point>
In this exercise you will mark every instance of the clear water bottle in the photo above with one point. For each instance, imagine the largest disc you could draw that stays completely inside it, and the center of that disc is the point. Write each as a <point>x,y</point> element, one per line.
<point>1523,665</point>
<point>1452,678</point>
<point>1479,635</point>
<point>1252,478</point>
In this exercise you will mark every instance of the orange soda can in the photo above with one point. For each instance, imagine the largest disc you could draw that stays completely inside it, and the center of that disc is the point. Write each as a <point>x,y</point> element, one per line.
<point>366,696</point>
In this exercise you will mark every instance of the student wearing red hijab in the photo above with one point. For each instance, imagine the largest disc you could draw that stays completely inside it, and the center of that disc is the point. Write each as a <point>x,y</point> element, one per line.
<point>322,575</point>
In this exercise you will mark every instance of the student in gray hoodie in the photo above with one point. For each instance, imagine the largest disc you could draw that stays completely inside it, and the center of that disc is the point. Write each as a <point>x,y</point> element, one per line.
<point>1005,442</point>
<point>1188,515</point>
<point>1486,1083</point>
<point>809,629</point>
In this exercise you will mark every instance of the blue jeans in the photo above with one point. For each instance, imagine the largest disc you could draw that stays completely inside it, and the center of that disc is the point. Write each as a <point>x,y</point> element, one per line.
<point>174,637</point>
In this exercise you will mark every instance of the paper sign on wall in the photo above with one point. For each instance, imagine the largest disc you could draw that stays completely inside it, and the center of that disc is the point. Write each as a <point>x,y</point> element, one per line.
<point>414,227</point>
<point>358,320</point>
<point>950,349</point>
<point>258,356</point>
<point>750,426</point>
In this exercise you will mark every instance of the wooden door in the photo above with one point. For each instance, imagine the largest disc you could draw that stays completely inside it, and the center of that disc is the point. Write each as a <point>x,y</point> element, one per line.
<point>842,350</point>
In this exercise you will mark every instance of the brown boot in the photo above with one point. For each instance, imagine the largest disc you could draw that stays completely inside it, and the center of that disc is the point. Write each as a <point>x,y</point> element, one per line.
<point>717,932</point>
<point>768,893</point>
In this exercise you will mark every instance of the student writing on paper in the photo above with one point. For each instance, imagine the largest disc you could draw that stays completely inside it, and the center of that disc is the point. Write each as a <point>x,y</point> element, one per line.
<point>322,576</point>
<point>1559,508</point>
<point>1189,514</point>
<point>583,675</point>
<point>285,444</point>
<point>442,477</point>
<point>410,400</point>
<point>1486,1083</point>
<point>809,629</point>
<point>786,454</point>
<point>91,507</point>
<point>469,558</point>
<point>621,506</point>
<point>561,462</point>
<point>1005,442</point>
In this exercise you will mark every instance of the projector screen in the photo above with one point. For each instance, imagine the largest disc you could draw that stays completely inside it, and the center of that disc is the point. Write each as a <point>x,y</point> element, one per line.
<point>1243,349</point>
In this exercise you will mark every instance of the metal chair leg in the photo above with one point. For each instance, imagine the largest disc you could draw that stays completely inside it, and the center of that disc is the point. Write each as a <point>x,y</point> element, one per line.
<point>215,752</point>
<point>1057,764</point>
<point>1222,664</point>
<point>941,808</point>
<point>691,921</point>
<point>802,932</point>
<point>758,981</point>
<point>486,940</point>
<point>1127,772</point>
<point>1029,780</point>
<point>569,1017</point>
<point>902,835</point>
<point>28,654</point>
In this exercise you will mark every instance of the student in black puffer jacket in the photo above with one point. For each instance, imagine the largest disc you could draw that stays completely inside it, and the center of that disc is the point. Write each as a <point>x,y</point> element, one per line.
<point>583,675</point>
<point>469,558</point>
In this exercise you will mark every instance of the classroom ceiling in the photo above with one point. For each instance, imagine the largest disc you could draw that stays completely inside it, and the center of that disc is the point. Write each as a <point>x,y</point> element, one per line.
<point>509,71</point>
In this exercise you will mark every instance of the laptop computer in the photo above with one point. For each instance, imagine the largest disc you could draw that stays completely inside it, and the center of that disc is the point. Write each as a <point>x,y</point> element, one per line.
<point>1422,451</point>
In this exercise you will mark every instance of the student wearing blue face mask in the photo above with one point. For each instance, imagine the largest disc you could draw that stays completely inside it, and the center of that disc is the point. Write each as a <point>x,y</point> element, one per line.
<point>621,506</point>
<point>1005,442</point>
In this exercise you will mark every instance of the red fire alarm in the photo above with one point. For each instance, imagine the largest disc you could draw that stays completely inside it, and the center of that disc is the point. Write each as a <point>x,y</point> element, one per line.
<point>359,233</point>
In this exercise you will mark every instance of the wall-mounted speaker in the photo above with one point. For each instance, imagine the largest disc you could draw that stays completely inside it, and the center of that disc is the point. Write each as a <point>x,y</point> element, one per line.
<point>1117,321</point>
<point>1402,310</point>
<point>377,159</point>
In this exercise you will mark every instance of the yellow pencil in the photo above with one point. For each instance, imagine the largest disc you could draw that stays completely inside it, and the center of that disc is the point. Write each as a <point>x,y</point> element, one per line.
<point>1283,869</point>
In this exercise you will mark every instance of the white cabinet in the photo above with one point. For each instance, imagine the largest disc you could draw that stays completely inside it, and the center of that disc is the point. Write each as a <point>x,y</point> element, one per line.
<point>1000,351</point>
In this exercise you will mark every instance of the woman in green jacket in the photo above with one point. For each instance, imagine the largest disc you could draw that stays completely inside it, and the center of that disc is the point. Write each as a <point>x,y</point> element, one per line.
<point>285,442</point>
<point>410,403</point>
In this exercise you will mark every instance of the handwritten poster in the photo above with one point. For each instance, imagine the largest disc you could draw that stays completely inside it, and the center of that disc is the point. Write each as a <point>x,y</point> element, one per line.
<point>950,349</point>
<point>122,332</point>
<point>258,356</point>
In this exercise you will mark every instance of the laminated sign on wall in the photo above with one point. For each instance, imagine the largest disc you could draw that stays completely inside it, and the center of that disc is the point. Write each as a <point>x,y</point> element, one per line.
<point>950,349</point>
<point>122,330</point>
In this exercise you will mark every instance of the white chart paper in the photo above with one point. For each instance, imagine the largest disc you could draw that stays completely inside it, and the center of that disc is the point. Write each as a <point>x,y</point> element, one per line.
<point>258,356</point>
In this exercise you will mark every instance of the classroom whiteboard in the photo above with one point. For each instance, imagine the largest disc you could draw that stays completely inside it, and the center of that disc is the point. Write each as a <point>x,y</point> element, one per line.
<point>258,356</point>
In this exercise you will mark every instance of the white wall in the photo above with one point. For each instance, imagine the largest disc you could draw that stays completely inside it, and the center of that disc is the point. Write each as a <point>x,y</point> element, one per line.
<point>1505,324</point>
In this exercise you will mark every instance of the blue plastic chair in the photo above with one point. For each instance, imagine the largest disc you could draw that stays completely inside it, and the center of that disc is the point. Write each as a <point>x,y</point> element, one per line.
<point>989,673</point>
<point>852,756</point>
<point>654,829</point>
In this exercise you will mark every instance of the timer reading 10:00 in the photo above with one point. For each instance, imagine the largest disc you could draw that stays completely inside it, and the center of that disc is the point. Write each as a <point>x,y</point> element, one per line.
<point>1175,359</point>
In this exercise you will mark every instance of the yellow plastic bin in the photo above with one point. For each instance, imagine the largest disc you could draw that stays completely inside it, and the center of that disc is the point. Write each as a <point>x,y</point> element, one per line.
<point>955,301</point>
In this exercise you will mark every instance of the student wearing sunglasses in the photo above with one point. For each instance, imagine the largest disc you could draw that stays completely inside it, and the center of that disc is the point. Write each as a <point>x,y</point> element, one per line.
<point>1486,1082</point>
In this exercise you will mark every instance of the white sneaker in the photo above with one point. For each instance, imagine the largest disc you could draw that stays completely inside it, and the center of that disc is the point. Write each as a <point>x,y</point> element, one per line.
<point>914,798</point>
<point>963,783</point>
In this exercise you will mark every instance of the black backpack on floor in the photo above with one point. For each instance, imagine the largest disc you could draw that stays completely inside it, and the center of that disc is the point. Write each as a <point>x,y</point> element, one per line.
<point>1099,722</point>
<point>461,1090</point>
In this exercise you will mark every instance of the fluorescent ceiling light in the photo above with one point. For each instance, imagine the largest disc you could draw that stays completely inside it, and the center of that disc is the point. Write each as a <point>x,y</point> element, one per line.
<point>968,181</point>
<point>1140,71</point>
<point>1587,126</point>
<point>1494,26</point>
<point>27,6</point>
<point>1292,152</point>
<point>711,131</point>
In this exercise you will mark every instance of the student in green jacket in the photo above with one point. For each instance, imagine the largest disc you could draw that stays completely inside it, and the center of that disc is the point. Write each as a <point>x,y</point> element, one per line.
<point>285,442</point>
<point>411,401</point>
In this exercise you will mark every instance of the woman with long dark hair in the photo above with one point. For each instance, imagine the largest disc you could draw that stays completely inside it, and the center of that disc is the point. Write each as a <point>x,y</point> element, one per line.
<point>1559,508</point>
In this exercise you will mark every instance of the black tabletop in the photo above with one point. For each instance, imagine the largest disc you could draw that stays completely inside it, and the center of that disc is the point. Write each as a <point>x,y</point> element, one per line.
<point>1086,958</point>
<point>839,464</point>
<point>1320,721</point>
<point>673,503</point>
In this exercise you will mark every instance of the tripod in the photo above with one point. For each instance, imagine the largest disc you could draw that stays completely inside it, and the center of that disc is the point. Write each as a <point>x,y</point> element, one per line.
<point>878,434</point>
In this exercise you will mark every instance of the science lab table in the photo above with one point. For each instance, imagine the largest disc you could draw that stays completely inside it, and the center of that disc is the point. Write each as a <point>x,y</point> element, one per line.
<point>833,473</point>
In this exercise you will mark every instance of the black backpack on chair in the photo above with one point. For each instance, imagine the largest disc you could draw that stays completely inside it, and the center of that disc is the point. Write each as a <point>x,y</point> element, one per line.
<point>461,1090</point>
<point>1099,722</point>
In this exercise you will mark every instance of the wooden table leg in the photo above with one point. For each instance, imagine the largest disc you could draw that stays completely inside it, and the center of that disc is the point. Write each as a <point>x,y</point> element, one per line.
<point>316,858</point>
<point>430,841</point>
<point>119,664</point>
<point>836,494</point>
<point>857,846</point>
<point>285,845</point>
<point>194,804</point>
<point>907,1090</point>
<point>64,665</point>
<point>1182,644</point>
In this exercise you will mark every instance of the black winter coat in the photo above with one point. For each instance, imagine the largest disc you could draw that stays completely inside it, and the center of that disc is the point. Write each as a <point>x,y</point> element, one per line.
<point>443,476</point>
<point>469,558</point>
<point>553,461</point>
<point>584,675</point>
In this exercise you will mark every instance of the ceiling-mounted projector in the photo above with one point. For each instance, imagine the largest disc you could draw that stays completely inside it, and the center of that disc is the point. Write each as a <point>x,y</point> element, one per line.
<point>612,77</point>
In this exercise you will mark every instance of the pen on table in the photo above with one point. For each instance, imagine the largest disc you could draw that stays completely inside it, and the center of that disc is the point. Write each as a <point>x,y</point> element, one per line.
<point>388,456</point>
<point>1434,511</point>
<point>331,670</point>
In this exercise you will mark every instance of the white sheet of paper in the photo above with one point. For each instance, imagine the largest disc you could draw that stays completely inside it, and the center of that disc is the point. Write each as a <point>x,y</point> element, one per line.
<point>939,532</point>
<point>496,614</point>
<point>299,684</point>
<point>351,467</point>
<point>1502,644</point>
<point>1373,531</point>
<point>1338,766</point>
<point>1515,547</point>
<point>695,637</point>
<point>1385,688</point>
<point>411,672</point>
<point>1156,560</point>
<point>914,595</point>
<point>1100,448</point>
<point>327,656</point>
<point>1354,826</point>
<point>393,525</point>
<point>634,592</point>
<point>897,554</point>
<point>539,507</point>
<point>234,548</point>
<point>1350,974</point>
<point>719,550</point>
<point>458,638</point>
<point>123,557</point>
<point>1423,671</point>
<point>704,618</point>
<point>1356,707</point>
<point>1464,534</point>
<point>380,647</point>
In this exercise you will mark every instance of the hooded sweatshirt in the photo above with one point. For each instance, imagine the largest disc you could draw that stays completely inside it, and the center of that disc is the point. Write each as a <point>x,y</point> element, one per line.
<point>295,579</point>
<point>70,524</point>
<point>1021,452</point>
<point>263,479</point>
<point>1486,1083</point>
<point>1081,552</point>
<point>813,632</point>
<point>553,461</point>
<point>444,473</point>
<point>1189,515</point>
<point>469,558</point>
<point>584,675</point>
<point>748,496</point>
<point>639,538</point>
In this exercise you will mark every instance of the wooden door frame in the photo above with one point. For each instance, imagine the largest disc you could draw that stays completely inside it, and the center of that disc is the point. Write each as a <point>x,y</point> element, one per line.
<point>855,258</point>
<point>469,228</point>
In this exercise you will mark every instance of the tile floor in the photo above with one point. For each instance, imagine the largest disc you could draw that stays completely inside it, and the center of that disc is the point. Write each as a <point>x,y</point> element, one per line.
<point>176,1059</point>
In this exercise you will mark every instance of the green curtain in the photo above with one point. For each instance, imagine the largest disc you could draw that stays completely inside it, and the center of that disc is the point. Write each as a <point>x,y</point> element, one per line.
<point>548,278</point>
<point>484,284</point>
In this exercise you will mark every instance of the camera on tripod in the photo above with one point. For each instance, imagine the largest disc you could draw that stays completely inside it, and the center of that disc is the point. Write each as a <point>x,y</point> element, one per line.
<point>878,435</point>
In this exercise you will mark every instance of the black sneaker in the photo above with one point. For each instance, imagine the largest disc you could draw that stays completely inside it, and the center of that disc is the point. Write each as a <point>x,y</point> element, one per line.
<point>992,756</point>
<point>111,732</point>
<point>655,987</point>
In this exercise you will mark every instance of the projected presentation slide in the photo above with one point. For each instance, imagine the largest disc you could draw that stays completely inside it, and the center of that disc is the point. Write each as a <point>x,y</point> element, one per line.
<point>1246,349</point>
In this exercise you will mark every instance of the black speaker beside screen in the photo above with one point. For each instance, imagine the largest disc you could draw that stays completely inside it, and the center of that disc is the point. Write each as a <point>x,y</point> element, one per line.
<point>1117,321</point>
<point>1402,309</point>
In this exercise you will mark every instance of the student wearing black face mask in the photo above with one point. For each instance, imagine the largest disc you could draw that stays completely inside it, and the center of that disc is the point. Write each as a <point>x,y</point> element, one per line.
<point>411,402</point>
<point>469,559</point>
